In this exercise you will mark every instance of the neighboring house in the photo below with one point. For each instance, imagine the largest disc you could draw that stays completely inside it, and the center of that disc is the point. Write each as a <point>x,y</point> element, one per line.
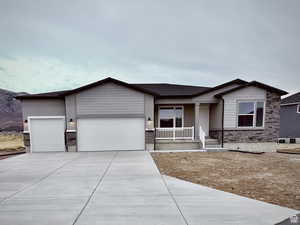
<point>114,115</point>
<point>290,118</point>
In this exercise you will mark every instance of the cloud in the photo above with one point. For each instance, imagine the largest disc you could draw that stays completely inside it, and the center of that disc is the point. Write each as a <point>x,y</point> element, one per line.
<point>51,45</point>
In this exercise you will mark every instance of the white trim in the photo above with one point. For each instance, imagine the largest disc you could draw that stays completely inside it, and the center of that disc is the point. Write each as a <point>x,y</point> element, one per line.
<point>294,103</point>
<point>202,136</point>
<point>255,101</point>
<point>71,131</point>
<point>298,108</point>
<point>173,136</point>
<point>174,118</point>
<point>29,118</point>
<point>152,129</point>
<point>46,117</point>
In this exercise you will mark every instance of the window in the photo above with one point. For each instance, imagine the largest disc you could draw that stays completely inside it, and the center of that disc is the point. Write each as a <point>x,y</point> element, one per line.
<point>298,108</point>
<point>251,114</point>
<point>171,116</point>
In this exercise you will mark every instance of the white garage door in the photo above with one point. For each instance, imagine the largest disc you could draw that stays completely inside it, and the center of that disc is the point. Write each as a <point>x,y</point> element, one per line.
<point>106,134</point>
<point>47,134</point>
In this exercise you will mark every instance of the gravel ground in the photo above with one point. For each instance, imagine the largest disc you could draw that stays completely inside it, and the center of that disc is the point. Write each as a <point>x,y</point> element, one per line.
<point>269,177</point>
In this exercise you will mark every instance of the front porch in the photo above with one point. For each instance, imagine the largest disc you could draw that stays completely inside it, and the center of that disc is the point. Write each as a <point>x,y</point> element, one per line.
<point>184,126</point>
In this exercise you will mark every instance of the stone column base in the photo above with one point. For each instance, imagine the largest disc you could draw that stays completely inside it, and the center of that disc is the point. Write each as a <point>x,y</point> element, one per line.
<point>26,140</point>
<point>71,141</point>
<point>149,140</point>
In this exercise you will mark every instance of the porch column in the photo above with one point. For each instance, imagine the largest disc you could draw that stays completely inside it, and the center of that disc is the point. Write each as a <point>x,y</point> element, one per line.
<point>197,120</point>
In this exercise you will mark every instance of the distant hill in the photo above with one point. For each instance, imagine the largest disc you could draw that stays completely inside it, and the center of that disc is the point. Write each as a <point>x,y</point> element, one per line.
<point>10,111</point>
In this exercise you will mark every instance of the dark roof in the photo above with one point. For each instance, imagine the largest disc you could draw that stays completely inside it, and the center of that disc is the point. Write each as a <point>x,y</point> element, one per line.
<point>161,90</point>
<point>61,94</point>
<point>236,81</point>
<point>254,83</point>
<point>295,98</point>
<point>172,90</point>
<point>55,94</point>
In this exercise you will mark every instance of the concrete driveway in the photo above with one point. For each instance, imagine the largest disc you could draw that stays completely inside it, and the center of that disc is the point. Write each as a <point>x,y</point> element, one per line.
<point>115,188</point>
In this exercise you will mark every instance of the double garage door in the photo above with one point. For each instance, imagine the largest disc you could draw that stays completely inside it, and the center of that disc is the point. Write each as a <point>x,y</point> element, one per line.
<point>105,134</point>
<point>93,134</point>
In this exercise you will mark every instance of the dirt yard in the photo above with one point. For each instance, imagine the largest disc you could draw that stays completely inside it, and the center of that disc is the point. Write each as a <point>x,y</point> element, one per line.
<point>269,177</point>
<point>10,143</point>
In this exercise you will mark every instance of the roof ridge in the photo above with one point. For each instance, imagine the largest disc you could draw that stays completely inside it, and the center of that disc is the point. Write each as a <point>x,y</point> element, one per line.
<point>169,84</point>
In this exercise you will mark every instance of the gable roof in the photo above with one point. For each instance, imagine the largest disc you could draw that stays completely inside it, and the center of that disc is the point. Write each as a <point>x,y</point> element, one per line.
<point>54,94</point>
<point>295,98</point>
<point>256,84</point>
<point>160,90</point>
<point>61,94</point>
<point>236,81</point>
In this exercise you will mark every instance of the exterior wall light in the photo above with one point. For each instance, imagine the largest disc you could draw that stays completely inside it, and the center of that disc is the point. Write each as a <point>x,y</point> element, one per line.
<point>149,124</point>
<point>25,125</point>
<point>71,124</point>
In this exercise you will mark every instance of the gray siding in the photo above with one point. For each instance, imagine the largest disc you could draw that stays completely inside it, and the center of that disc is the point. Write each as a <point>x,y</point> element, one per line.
<point>267,134</point>
<point>43,107</point>
<point>215,115</point>
<point>109,99</point>
<point>189,115</point>
<point>230,103</point>
<point>210,97</point>
<point>289,122</point>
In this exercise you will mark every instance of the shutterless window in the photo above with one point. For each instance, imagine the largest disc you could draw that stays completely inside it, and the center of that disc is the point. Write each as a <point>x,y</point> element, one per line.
<point>171,117</point>
<point>250,114</point>
<point>298,108</point>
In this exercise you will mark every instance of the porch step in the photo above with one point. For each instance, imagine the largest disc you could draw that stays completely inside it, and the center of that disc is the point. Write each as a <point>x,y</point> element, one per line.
<point>177,145</point>
<point>211,141</point>
<point>213,146</point>
<point>216,150</point>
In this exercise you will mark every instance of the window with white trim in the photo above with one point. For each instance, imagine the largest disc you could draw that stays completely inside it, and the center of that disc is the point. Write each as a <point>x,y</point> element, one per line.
<point>298,108</point>
<point>170,116</point>
<point>251,114</point>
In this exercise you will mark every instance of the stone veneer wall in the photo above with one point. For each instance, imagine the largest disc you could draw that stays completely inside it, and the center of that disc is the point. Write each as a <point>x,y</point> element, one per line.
<point>149,137</point>
<point>149,140</point>
<point>270,132</point>
<point>26,139</point>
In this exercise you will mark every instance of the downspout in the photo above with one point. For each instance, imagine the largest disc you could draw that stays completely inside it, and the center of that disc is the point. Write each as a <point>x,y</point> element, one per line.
<point>66,126</point>
<point>222,123</point>
<point>154,124</point>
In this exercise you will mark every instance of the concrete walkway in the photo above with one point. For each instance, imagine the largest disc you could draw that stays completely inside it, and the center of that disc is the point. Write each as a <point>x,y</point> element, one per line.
<point>119,188</point>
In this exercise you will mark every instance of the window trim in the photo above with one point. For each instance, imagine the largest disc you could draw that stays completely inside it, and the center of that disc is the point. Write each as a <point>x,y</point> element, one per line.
<point>174,118</point>
<point>298,108</point>
<point>255,101</point>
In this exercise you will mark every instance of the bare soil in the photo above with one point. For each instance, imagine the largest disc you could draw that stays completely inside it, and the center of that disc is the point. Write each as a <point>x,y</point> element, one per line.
<point>269,177</point>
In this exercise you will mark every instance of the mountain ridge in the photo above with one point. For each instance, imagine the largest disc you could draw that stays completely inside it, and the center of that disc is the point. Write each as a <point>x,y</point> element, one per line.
<point>10,111</point>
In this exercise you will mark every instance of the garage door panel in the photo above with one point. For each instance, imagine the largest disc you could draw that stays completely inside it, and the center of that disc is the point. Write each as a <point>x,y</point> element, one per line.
<point>47,134</point>
<point>107,134</point>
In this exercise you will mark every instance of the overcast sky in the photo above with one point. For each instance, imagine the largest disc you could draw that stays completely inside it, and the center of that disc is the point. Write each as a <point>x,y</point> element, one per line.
<point>56,45</point>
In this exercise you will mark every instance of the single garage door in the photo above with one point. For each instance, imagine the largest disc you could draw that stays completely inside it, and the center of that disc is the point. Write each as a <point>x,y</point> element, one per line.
<point>108,134</point>
<point>47,134</point>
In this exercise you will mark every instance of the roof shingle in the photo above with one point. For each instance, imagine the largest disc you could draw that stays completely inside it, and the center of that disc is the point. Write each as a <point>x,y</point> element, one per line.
<point>295,98</point>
